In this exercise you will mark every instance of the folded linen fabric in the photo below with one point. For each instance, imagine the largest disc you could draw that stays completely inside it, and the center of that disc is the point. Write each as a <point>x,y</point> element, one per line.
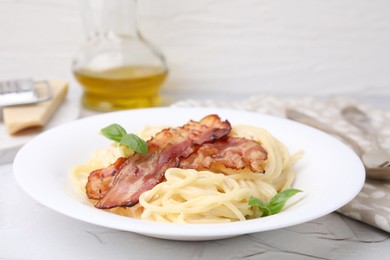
<point>372,204</point>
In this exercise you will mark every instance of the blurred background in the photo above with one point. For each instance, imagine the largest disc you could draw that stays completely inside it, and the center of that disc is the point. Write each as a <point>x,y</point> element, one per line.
<point>221,48</point>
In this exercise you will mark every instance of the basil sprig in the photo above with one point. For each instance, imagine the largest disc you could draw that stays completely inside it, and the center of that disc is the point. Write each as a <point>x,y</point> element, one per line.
<point>276,204</point>
<point>118,134</point>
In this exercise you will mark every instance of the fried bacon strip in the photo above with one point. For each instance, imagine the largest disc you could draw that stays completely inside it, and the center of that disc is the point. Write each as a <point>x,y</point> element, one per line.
<point>99,181</point>
<point>229,152</point>
<point>140,173</point>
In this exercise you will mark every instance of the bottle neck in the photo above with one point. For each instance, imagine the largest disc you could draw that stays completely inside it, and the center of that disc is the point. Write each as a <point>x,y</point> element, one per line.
<point>102,17</point>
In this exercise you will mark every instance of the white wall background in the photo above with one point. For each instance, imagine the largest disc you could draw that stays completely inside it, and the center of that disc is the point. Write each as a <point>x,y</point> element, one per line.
<point>316,47</point>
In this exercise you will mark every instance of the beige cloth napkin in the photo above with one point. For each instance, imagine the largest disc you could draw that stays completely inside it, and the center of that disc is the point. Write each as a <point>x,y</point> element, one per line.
<point>372,204</point>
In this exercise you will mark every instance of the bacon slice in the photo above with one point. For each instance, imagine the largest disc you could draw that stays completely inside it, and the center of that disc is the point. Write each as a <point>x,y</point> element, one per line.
<point>140,173</point>
<point>99,181</point>
<point>229,152</point>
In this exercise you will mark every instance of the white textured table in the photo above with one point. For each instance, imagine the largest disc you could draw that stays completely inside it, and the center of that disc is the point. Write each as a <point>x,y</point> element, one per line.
<point>218,49</point>
<point>31,231</point>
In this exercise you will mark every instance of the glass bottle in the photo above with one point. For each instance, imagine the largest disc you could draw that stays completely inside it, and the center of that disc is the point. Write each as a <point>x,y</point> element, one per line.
<point>117,68</point>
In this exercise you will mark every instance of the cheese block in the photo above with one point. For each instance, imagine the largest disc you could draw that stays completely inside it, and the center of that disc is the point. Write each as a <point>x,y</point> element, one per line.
<point>18,118</point>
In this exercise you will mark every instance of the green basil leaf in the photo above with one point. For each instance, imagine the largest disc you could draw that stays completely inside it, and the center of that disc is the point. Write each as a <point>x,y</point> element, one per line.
<point>259,203</point>
<point>118,134</point>
<point>114,132</point>
<point>135,143</point>
<point>277,203</point>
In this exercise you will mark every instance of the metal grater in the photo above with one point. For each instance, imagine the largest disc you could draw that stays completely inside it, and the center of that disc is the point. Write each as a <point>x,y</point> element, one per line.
<point>23,91</point>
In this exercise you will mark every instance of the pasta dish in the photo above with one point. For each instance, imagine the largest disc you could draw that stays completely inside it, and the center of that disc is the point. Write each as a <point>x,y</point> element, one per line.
<point>201,172</point>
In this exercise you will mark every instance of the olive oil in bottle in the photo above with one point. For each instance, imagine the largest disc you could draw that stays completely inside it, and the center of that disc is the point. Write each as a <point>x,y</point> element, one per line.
<point>116,66</point>
<point>122,87</point>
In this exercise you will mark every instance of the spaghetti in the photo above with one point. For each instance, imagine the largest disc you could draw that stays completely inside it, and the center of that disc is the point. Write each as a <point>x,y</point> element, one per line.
<point>190,196</point>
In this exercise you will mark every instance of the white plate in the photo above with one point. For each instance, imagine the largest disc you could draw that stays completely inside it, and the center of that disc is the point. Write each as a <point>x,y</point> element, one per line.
<point>9,144</point>
<point>330,174</point>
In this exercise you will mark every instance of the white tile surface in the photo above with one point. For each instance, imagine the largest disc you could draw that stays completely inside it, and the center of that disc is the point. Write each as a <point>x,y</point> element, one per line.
<point>300,47</point>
